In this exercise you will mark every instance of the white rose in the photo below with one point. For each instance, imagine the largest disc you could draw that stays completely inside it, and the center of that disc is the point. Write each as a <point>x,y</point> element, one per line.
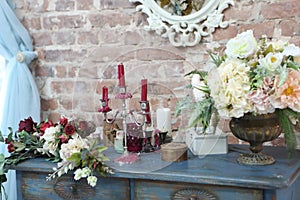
<point>242,46</point>
<point>271,61</point>
<point>291,50</point>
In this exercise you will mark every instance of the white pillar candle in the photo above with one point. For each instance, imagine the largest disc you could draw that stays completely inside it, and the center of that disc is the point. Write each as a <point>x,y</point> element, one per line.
<point>163,119</point>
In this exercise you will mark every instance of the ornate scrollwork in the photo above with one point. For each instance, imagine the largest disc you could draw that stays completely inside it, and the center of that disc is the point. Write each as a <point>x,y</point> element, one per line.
<point>193,194</point>
<point>68,188</point>
<point>185,30</point>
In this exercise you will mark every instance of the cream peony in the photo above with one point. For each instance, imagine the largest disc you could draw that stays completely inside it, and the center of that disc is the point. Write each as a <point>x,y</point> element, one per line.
<point>75,145</point>
<point>242,46</point>
<point>230,92</point>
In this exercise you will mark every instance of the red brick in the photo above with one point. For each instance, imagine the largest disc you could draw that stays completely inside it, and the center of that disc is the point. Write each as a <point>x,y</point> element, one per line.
<point>43,71</point>
<point>290,27</point>
<point>58,22</point>
<point>84,4</point>
<point>48,104</point>
<point>111,18</point>
<point>41,39</point>
<point>65,87</point>
<point>63,38</point>
<point>264,28</point>
<point>281,10</point>
<point>88,37</point>
<point>32,23</point>
<point>64,55</point>
<point>64,5</point>
<point>225,34</point>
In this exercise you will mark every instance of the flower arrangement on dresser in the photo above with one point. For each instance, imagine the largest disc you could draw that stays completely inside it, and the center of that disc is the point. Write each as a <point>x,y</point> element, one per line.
<point>66,143</point>
<point>251,76</point>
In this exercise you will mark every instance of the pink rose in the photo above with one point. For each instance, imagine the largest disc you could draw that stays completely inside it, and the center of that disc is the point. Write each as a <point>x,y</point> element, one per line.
<point>63,138</point>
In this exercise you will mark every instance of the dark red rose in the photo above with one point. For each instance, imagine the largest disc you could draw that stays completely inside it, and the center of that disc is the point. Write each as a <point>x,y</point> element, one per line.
<point>45,125</point>
<point>27,125</point>
<point>10,147</point>
<point>63,138</point>
<point>63,121</point>
<point>69,129</point>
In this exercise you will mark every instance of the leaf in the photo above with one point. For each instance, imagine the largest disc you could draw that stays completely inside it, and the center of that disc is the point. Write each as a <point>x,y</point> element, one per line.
<point>75,157</point>
<point>289,135</point>
<point>100,149</point>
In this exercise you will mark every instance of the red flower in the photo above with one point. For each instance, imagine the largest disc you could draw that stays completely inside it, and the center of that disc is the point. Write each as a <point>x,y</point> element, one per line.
<point>10,147</point>
<point>63,121</point>
<point>45,125</point>
<point>69,129</point>
<point>63,138</point>
<point>94,165</point>
<point>27,125</point>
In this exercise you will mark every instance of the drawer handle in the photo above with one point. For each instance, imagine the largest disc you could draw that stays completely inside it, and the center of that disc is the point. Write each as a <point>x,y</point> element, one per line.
<point>193,194</point>
<point>68,188</point>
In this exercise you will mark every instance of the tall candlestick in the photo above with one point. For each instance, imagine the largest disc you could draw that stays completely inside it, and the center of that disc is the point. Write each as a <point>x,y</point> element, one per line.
<point>148,116</point>
<point>144,90</point>
<point>105,93</point>
<point>121,75</point>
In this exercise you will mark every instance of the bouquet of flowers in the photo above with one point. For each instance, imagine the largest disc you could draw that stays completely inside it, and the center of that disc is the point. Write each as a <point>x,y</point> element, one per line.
<point>251,76</point>
<point>65,143</point>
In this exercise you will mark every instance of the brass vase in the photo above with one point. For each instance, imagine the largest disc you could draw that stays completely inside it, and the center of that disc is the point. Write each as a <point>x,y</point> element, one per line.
<point>256,129</point>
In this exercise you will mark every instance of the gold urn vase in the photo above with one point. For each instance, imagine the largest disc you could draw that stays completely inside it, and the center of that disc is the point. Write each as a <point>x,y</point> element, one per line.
<point>256,129</point>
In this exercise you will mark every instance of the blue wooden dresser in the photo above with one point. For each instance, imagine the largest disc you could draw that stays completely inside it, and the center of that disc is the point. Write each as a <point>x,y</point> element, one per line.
<point>215,177</point>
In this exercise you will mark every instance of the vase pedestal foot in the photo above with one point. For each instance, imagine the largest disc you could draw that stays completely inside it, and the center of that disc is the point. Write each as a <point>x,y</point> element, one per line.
<point>255,159</point>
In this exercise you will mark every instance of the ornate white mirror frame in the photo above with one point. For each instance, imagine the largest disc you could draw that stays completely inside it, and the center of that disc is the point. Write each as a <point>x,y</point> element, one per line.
<point>185,30</point>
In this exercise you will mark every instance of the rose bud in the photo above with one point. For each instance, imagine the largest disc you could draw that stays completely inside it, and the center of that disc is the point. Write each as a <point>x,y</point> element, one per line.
<point>63,138</point>
<point>69,129</point>
<point>63,121</point>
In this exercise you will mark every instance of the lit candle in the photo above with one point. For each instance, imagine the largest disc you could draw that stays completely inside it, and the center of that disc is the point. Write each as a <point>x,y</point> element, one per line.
<point>144,90</point>
<point>104,93</point>
<point>121,75</point>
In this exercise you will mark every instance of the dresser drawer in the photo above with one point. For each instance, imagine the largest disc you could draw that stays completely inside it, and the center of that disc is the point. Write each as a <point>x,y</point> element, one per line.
<point>32,186</point>
<point>153,190</point>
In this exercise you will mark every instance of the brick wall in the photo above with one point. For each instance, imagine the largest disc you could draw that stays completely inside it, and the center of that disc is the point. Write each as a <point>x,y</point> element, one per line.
<point>80,43</point>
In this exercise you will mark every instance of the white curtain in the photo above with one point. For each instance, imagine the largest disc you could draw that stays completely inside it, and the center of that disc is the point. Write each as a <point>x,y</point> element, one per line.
<point>19,97</point>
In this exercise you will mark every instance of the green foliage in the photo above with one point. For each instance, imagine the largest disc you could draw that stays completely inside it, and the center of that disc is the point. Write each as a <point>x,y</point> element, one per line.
<point>289,136</point>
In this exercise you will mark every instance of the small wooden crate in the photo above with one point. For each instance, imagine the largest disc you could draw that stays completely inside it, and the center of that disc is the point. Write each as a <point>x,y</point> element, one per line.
<point>174,152</point>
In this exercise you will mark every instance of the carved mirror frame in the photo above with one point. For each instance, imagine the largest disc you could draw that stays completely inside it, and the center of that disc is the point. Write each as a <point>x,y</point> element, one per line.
<point>185,30</point>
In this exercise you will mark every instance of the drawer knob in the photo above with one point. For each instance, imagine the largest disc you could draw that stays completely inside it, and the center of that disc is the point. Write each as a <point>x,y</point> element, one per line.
<point>193,194</point>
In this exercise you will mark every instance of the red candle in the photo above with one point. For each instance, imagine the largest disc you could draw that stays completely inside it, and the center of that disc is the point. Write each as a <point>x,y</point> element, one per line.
<point>148,116</point>
<point>144,90</point>
<point>104,93</point>
<point>121,75</point>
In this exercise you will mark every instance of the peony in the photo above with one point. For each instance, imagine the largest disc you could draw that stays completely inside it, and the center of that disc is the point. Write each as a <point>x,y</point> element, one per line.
<point>242,46</point>
<point>287,95</point>
<point>260,102</point>
<point>230,93</point>
<point>75,145</point>
<point>272,61</point>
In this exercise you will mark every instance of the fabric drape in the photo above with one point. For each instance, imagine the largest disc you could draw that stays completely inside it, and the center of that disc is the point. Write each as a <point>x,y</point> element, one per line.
<point>19,94</point>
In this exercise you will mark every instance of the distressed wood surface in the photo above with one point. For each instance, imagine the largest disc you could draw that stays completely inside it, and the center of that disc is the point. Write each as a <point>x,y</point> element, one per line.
<point>151,178</point>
